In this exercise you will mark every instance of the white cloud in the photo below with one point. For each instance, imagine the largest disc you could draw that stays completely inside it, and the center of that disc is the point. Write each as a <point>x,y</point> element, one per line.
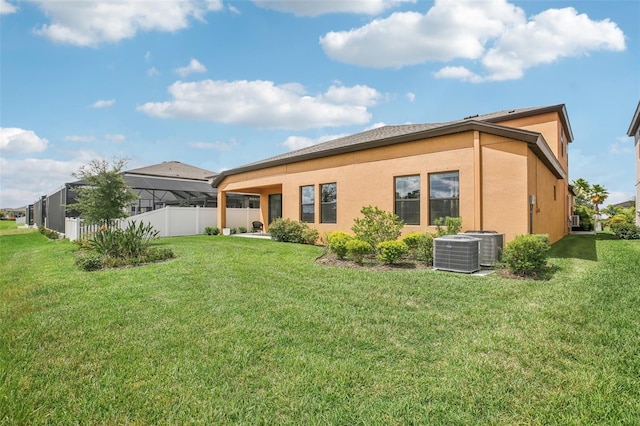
<point>7,8</point>
<point>321,7</point>
<point>152,72</point>
<point>80,138</point>
<point>147,56</point>
<point>622,145</point>
<point>194,67</point>
<point>103,103</point>
<point>115,138</point>
<point>299,142</point>
<point>495,34</point>
<point>90,23</point>
<point>19,141</point>
<point>25,181</point>
<point>264,104</point>
<point>411,96</point>
<point>233,9</point>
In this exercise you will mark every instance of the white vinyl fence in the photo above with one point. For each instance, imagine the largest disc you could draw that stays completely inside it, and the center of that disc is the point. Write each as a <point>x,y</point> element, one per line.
<point>173,221</point>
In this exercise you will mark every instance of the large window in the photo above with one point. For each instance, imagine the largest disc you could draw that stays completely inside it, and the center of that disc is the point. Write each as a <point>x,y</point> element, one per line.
<point>408,199</point>
<point>308,204</point>
<point>328,207</point>
<point>444,196</point>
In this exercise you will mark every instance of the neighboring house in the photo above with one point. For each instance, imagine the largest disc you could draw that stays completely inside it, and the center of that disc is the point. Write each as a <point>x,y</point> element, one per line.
<point>634,132</point>
<point>166,184</point>
<point>505,172</point>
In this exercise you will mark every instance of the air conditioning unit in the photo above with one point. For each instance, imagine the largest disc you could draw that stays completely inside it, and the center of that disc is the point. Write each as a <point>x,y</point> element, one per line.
<point>457,253</point>
<point>491,245</point>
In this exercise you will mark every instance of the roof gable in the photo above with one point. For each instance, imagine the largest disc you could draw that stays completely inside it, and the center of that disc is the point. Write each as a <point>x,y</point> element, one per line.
<point>173,169</point>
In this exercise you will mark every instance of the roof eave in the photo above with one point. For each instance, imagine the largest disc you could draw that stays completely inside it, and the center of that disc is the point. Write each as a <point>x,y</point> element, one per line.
<point>635,122</point>
<point>532,138</point>
<point>560,109</point>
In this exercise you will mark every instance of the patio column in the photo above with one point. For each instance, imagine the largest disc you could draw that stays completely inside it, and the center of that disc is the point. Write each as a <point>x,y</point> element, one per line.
<point>222,209</point>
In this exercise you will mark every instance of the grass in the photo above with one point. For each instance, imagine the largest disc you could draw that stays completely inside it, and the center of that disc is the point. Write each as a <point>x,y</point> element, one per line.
<point>246,331</point>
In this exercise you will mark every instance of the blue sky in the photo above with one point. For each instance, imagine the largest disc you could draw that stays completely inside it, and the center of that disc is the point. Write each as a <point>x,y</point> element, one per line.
<point>218,84</point>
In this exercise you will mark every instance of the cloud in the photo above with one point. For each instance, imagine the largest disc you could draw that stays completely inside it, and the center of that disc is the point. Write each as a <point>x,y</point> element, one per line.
<point>116,138</point>
<point>44,177</point>
<point>495,34</point>
<point>411,96</point>
<point>264,104</point>
<point>322,7</point>
<point>19,141</point>
<point>233,9</point>
<point>79,138</point>
<point>103,103</point>
<point>90,23</point>
<point>299,142</point>
<point>152,72</point>
<point>194,67</point>
<point>622,145</point>
<point>7,8</point>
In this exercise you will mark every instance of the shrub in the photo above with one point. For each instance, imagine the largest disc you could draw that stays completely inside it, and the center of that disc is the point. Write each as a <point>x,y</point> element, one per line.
<point>357,249</point>
<point>413,241</point>
<point>527,255</point>
<point>586,217</point>
<point>448,226</point>
<point>291,231</point>
<point>626,231</point>
<point>212,230</point>
<point>338,243</point>
<point>377,226</point>
<point>420,246</point>
<point>309,235</point>
<point>89,261</point>
<point>390,251</point>
<point>242,229</point>
<point>50,234</point>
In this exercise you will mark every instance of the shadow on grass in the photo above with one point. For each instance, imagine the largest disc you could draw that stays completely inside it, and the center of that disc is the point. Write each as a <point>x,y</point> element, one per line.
<point>578,247</point>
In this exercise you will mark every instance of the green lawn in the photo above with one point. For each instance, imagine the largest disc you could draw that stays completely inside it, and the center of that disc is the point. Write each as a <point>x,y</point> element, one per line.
<point>246,331</point>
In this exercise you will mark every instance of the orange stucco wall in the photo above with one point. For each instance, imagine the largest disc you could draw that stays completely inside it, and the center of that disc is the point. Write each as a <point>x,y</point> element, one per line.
<point>497,175</point>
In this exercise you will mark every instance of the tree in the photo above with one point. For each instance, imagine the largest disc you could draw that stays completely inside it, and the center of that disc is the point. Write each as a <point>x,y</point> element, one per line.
<point>598,194</point>
<point>105,194</point>
<point>582,189</point>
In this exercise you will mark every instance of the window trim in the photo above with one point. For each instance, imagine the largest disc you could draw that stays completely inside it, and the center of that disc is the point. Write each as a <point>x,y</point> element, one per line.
<point>430,212</point>
<point>303,204</point>
<point>325,203</point>
<point>416,200</point>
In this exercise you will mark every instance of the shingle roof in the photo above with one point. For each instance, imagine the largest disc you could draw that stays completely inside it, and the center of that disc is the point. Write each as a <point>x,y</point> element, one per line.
<point>173,169</point>
<point>391,134</point>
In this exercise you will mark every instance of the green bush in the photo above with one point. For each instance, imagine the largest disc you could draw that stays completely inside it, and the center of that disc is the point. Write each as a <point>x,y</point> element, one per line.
<point>626,231</point>
<point>242,229</point>
<point>337,242</point>
<point>377,226</point>
<point>309,235</point>
<point>212,230</point>
<point>421,246</point>
<point>448,226</point>
<point>89,261</point>
<point>391,251</point>
<point>52,235</point>
<point>357,249</point>
<point>291,231</point>
<point>527,255</point>
<point>586,217</point>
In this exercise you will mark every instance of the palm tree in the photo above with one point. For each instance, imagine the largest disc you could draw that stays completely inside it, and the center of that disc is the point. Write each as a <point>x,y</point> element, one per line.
<point>582,189</point>
<point>598,194</point>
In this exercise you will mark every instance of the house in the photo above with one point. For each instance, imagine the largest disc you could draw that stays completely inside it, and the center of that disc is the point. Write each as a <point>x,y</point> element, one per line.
<point>505,171</point>
<point>634,132</point>
<point>166,184</point>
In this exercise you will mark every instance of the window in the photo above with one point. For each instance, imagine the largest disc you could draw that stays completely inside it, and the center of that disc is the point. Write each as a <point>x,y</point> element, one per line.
<point>408,199</point>
<point>328,197</point>
<point>444,196</point>
<point>307,204</point>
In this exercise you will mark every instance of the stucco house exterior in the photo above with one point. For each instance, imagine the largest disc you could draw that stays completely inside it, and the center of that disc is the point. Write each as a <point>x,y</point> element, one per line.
<point>634,132</point>
<point>505,171</point>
